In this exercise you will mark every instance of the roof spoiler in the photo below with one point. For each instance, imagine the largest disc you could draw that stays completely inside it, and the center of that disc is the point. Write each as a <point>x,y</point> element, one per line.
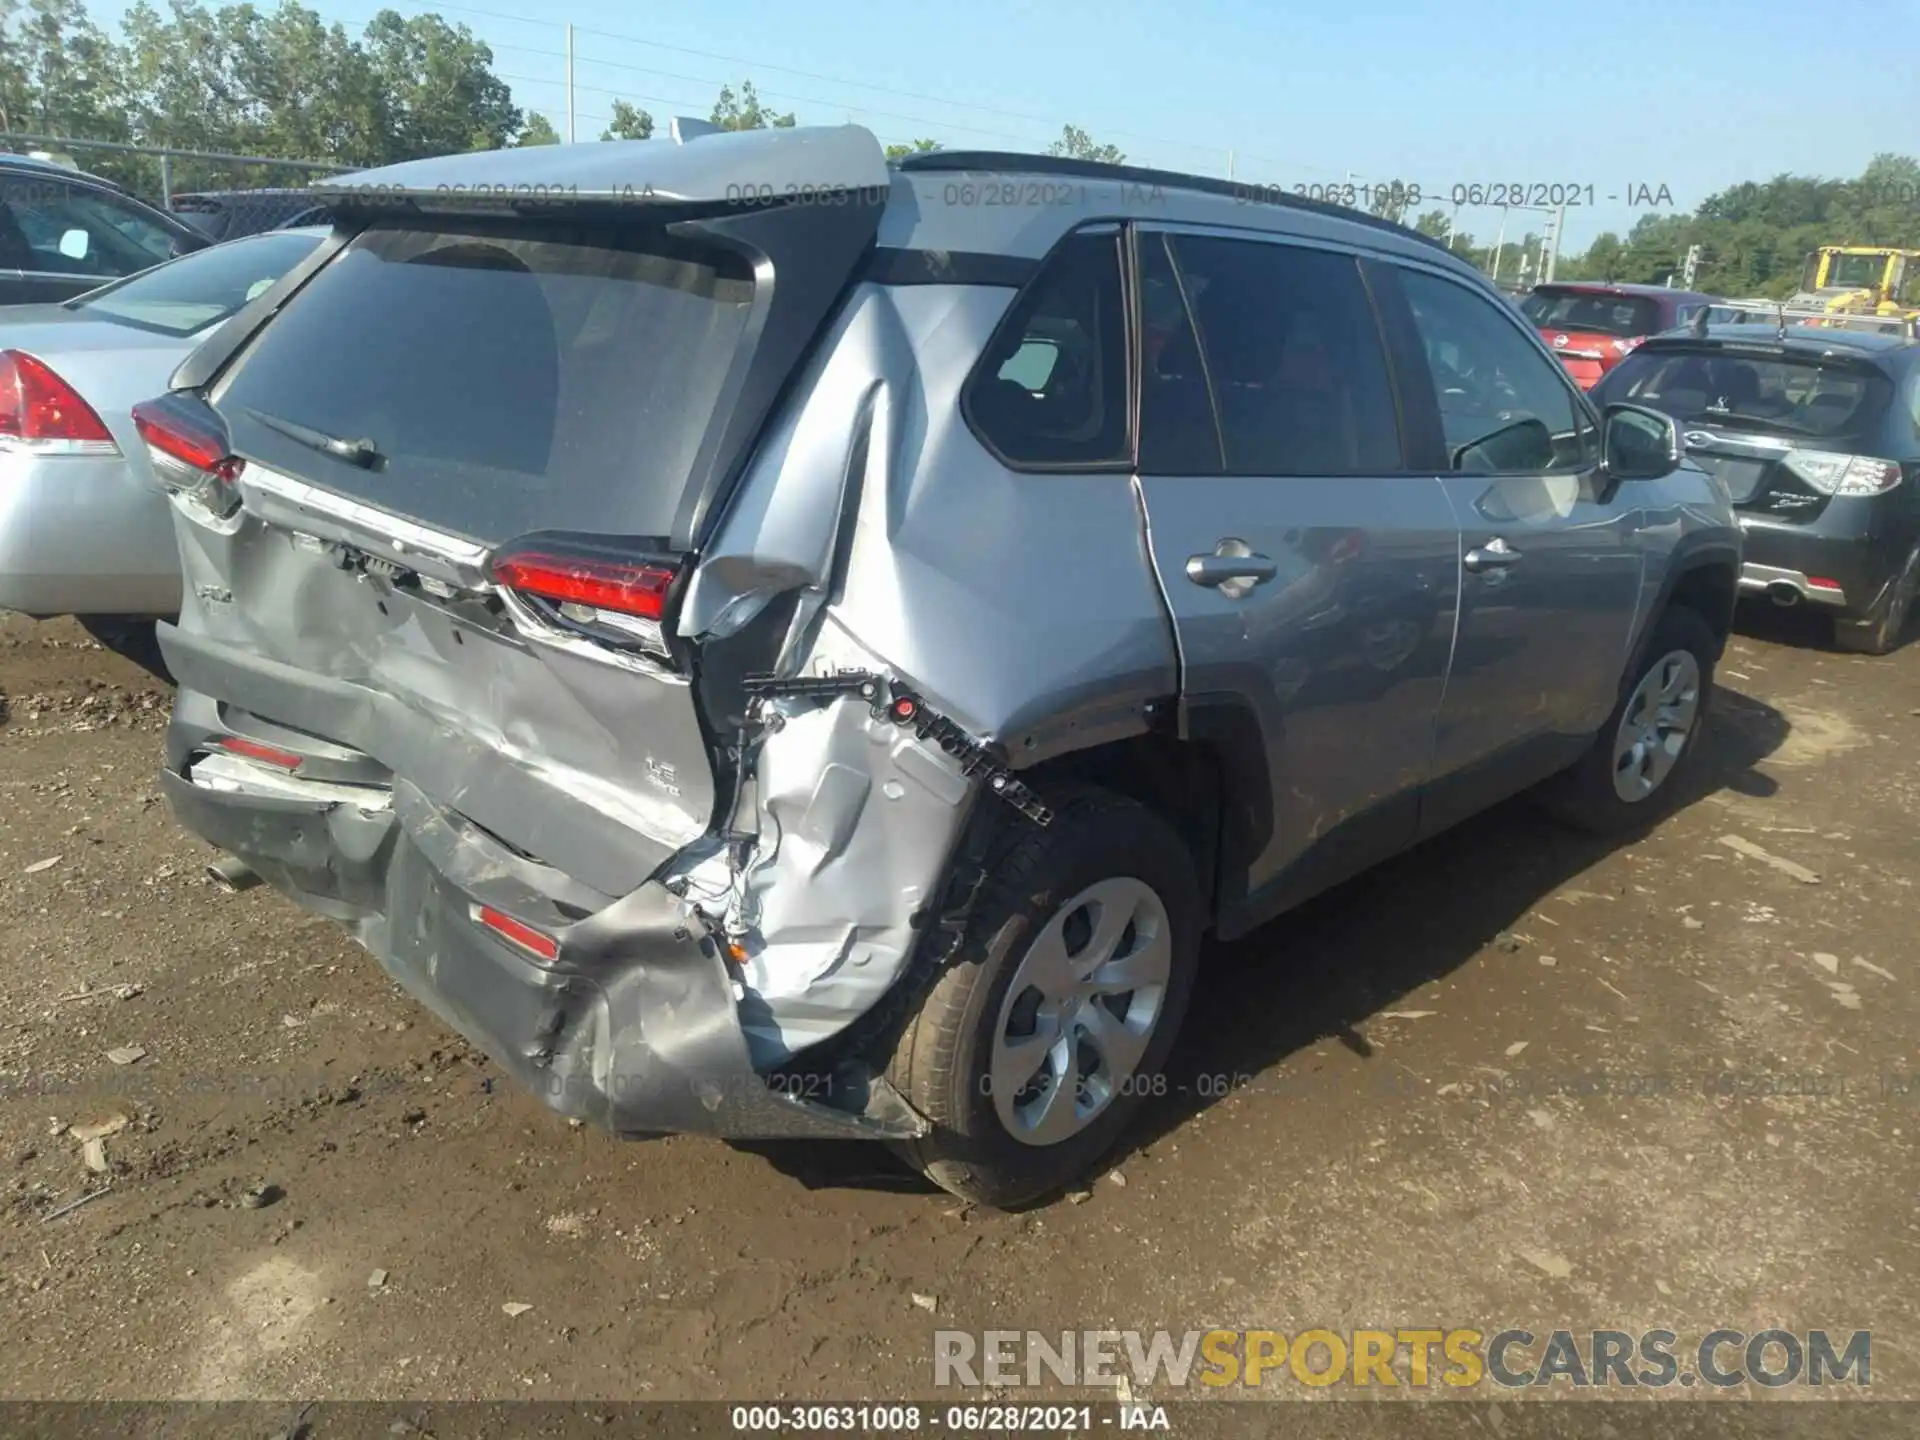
<point>684,128</point>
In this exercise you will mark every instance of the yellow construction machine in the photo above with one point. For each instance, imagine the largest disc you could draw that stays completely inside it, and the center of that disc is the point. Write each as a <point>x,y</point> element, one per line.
<point>1861,280</point>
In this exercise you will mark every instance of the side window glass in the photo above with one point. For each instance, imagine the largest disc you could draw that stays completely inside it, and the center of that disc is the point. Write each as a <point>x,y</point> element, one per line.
<point>67,230</point>
<point>1291,353</point>
<point>1179,430</point>
<point>1051,389</point>
<point>1504,407</point>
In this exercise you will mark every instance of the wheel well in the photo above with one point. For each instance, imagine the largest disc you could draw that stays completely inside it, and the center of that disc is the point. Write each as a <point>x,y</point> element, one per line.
<point>1180,780</point>
<point>1710,592</point>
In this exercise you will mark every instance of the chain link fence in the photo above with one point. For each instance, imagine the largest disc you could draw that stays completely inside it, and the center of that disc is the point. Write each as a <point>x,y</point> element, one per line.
<point>158,174</point>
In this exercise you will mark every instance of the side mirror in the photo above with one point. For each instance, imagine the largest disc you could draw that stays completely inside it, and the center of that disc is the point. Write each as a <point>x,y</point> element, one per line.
<point>74,244</point>
<point>1638,444</point>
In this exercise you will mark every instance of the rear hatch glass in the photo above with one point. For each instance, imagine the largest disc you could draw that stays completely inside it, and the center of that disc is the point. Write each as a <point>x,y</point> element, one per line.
<point>1741,412</point>
<point>505,378</point>
<point>1592,313</point>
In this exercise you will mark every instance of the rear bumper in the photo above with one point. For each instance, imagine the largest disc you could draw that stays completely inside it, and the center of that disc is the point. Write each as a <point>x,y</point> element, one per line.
<point>634,1025</point>
<point>1858,564</point>
<point>80,535</point>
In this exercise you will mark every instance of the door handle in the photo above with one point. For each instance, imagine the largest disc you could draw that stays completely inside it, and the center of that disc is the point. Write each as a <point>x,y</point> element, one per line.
<point>1214,571</point>
<point>1496,554</point>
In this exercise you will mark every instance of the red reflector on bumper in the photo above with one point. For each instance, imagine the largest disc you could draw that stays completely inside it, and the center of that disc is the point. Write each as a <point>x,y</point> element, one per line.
<point>1821,582</point>
<point>525,936</point>
<point>265,754</point>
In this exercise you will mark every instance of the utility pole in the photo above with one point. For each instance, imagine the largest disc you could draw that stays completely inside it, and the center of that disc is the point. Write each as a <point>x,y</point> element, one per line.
<point>1500,243</point>
<point>1453,225</point>
<point>570,82</point>
<point>1551,245</point>
<point>1229,164</point>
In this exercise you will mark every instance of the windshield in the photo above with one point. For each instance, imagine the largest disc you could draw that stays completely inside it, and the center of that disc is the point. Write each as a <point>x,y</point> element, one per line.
<point>1855,272</point>
<point>1789,396</point>
<point>506,377</point>
<point>199,290</point>
<point>1595,312</point>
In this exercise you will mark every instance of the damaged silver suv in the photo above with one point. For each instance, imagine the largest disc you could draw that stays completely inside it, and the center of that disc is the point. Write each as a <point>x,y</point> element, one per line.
<point>768,643</point>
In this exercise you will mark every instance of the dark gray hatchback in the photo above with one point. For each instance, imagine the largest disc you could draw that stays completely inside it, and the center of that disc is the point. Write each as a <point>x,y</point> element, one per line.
<point>1813,431</point>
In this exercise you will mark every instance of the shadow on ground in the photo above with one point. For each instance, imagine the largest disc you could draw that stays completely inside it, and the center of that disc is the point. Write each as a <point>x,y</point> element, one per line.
<point>1324,968</point>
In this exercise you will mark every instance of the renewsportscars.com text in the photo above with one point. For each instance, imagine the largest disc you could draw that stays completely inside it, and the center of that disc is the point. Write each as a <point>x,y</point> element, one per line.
<point>1418,1358</point>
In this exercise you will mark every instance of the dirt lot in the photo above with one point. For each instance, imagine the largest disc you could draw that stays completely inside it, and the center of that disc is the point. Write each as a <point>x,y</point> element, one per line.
<point>1513,1078</point>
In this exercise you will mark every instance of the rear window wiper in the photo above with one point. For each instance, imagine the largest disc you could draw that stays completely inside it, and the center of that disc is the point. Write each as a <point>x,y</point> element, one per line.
<point>362,452</point>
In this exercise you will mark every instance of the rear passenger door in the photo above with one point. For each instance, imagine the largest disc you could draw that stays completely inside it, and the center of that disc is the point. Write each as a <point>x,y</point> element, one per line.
<point>1552,561</point>
<point>1311,575</point>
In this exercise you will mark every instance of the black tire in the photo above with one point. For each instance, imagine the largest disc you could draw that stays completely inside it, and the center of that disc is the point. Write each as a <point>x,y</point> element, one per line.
<point>1584,795</point>
<point>1881,631</point>
<point>941,1059</point>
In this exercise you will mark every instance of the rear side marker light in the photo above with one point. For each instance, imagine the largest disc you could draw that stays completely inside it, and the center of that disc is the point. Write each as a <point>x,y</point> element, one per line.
<point>254,750</point>
<point>542,946</point>
<point>42,414</point>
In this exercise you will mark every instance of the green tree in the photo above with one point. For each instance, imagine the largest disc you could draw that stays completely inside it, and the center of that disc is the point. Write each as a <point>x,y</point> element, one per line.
<point>1432,223</point>
<point>629,123</point>
<point>914,147</point>
<point>538,131</point>
<point>441,95</point>
<point>1076,144</point>
<point>745,112</point>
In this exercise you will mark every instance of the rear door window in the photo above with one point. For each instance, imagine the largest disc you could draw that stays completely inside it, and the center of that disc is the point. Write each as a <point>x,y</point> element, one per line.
<point>1260,359</point>
<point>64,229</point>
<point>1051,390</point>
<point>509,377</point>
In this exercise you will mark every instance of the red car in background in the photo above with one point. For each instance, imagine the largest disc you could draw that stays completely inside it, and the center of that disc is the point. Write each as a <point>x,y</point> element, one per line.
<point>1592,326</point>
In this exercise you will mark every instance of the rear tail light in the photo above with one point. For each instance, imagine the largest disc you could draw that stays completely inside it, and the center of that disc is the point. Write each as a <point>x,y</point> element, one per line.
<point>1626,343</point>
<point>42,414</point>
<point>619,600</point>
<point>188,448</point>
<point>1832,474</point>
<point>540,945</point>
<point>1822,582</point>
<point>254,750</point>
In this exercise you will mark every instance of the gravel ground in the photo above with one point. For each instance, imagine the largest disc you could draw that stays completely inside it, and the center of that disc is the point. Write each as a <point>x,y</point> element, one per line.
<point>1513,1078</point>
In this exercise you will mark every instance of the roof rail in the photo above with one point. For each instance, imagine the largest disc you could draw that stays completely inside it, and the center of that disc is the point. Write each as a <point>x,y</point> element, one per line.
<point>1015,160</point>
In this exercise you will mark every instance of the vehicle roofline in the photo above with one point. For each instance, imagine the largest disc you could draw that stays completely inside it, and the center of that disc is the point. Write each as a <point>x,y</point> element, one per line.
<point>1019,162</point>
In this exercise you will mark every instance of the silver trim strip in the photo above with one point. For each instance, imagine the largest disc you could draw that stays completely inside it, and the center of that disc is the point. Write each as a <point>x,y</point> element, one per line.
<point>401,533</point>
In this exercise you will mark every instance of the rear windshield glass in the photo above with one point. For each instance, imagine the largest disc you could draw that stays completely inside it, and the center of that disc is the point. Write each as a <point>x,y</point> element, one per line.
<point>197,290</point>
<point>1784,396</point>
<point>1620,315</point>
<point>509,378</point>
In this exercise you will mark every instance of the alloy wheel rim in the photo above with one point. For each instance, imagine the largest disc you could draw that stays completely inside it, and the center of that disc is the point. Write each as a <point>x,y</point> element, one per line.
<point>1653,732</point>
<point>1080,1011</point>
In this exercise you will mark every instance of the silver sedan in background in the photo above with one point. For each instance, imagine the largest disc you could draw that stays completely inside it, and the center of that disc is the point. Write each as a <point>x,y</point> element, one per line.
<point>84,530</point>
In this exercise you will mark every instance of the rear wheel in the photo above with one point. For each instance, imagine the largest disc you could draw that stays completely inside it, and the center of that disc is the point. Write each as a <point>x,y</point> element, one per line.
<point>1627,778</point>
<point>1043,1035</point>
<point>1881,631</point>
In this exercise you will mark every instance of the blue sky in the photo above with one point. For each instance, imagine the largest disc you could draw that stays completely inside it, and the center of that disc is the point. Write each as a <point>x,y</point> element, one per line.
<point>1695,95</point>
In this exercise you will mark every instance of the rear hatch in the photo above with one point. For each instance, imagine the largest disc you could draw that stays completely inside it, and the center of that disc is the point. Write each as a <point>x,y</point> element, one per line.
<point>478,452</point>
<point>1785,431</point>
<point>1589,329</point>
